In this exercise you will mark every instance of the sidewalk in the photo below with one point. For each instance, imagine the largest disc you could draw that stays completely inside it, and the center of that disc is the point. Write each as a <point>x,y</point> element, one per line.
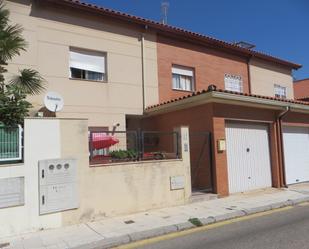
<point>111,232</point>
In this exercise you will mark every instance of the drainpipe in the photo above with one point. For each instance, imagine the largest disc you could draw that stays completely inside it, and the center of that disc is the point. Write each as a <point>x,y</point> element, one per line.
<point>143,65</point>
<point>280,145</point>
<point>249,74</point>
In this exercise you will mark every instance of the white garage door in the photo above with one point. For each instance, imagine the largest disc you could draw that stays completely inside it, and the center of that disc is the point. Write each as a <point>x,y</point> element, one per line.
<point>296,154</point>
<point>248,156</point>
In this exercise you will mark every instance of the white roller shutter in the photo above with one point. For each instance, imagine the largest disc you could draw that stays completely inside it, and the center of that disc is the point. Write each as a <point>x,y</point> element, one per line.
<point>296,154</point>
<point>87,61</point>
<point>248,156</point>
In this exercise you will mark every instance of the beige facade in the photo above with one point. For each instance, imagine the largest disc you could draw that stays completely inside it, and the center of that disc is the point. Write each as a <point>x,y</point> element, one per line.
<point>103,191</point>
<point>264,76</point>
<point>51,31</point>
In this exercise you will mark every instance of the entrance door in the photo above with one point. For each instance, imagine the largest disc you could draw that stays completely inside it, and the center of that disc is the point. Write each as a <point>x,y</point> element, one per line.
<point>296,154</point>
<point>248,156</point>
<point>201,161</point>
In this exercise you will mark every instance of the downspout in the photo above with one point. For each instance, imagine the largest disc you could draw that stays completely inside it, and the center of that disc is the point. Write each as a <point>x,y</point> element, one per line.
<point>280,146</point>
<point>143,65</point>
<point>249,74</point>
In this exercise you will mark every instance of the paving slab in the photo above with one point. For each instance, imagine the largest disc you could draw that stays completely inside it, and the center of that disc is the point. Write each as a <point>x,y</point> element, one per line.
<point>111,232</point>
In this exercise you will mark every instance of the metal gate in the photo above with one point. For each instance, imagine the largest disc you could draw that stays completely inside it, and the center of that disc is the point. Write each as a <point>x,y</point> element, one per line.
<point>201,161</point>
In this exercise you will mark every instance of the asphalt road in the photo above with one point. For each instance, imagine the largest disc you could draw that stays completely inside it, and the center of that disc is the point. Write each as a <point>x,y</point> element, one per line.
<point>288,229</point>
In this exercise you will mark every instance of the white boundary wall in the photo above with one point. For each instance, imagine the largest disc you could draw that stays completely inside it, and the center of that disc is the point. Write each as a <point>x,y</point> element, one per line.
<point>103,190</point>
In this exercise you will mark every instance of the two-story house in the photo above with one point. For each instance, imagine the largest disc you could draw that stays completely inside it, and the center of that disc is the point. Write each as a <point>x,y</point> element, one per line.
<point>112,67</point>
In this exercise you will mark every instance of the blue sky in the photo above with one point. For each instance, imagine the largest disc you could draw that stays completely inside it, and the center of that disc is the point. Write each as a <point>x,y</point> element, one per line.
<point>276,27</point>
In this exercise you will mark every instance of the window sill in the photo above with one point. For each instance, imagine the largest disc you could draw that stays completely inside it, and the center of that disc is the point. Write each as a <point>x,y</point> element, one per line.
<point>11,163</point>
<point>234,91</point>
<point>96,81</point>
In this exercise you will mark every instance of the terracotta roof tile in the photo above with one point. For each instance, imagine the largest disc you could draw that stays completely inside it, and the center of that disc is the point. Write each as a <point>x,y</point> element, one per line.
<point>171,29</point>
<point>302,102</point>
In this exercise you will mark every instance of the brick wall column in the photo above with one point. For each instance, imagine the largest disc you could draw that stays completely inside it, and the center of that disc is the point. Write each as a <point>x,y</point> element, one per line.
<point>275,170</point>
<point>220,172</point>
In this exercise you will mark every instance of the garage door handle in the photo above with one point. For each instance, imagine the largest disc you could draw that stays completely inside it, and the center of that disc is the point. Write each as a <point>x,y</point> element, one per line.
<point>248,150</point>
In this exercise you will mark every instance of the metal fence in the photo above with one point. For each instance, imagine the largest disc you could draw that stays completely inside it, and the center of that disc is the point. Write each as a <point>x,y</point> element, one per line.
<point>125,146</point>
<point>11,144</point>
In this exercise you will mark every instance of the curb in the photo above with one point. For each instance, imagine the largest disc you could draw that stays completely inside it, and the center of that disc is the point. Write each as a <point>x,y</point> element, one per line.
<point>136,236</point>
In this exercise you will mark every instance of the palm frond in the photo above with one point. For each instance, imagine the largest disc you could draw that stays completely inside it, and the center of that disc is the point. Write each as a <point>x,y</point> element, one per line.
<point>11,42</point>
<point>4,16</point>
<point>28,82</point>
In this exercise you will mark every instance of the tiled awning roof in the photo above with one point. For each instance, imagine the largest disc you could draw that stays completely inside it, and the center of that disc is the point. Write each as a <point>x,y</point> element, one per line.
<point>214,89</point>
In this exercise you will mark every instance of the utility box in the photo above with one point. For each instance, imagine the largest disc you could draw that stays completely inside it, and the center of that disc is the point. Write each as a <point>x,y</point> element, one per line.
<point>58,189</point>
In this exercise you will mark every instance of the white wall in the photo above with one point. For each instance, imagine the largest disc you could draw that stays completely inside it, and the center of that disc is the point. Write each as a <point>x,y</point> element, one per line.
<point>42,141</point>
<point>103,191</point>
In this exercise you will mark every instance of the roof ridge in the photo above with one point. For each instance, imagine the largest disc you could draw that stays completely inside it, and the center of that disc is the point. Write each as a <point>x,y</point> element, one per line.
<point>170,28</point>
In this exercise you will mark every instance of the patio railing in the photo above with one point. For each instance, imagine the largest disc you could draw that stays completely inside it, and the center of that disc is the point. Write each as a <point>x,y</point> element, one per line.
<point>124,146</point>
<point>11,144</point>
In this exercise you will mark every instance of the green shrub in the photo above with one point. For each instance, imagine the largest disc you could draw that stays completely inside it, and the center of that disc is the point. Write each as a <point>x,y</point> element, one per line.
<point>123,154</point>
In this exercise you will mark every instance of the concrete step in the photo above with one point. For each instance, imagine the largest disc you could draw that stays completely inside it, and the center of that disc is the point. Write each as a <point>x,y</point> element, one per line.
<point>200,196</point>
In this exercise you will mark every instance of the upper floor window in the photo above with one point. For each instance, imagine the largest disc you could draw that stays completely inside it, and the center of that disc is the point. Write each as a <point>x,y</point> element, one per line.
<point>183,78</point>
<point>233,83</point>
<point>280,91</point>
<point>87,65</point>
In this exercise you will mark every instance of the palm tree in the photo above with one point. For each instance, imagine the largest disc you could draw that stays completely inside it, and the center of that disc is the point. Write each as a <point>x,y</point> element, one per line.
<point>13,104</point>
<point>12,44</point>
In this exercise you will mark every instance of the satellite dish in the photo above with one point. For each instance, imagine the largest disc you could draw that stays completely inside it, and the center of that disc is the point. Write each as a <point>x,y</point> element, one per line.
<point>53,101</point>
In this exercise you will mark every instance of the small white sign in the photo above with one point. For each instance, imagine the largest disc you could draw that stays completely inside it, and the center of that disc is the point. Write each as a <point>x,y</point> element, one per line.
<point>53,101</point>
<point>177,182</point>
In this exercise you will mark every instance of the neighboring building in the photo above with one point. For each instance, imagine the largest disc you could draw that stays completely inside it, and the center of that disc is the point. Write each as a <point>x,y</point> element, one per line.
<point>301,89</point>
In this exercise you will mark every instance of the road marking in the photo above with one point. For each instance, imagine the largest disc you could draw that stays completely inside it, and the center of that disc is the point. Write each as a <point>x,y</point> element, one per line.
<point>199,229</point>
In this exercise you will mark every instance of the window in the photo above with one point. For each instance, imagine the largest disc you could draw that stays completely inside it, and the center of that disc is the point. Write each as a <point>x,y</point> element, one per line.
<point>233,83</point>
<point>280,91</point>
<point>183,78</point>
<point>87,65</point>
<point>11,140</point>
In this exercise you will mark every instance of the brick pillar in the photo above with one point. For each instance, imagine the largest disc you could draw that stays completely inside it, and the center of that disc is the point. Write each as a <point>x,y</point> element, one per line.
<point>220,173</point>
<point>275,170</point>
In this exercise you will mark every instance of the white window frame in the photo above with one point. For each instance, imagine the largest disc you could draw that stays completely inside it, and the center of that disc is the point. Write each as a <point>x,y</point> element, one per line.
<point>184,74</point>
<point>97,63</point>
<point>230,79</point>
<point>280,91</point>
<point>20,148</point>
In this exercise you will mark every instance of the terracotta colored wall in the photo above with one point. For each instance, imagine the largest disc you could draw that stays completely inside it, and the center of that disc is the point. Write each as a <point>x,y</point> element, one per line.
<point>296,119</point>
<point>210,66</point>
<point>211,117</point>
<point>301,89</point>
